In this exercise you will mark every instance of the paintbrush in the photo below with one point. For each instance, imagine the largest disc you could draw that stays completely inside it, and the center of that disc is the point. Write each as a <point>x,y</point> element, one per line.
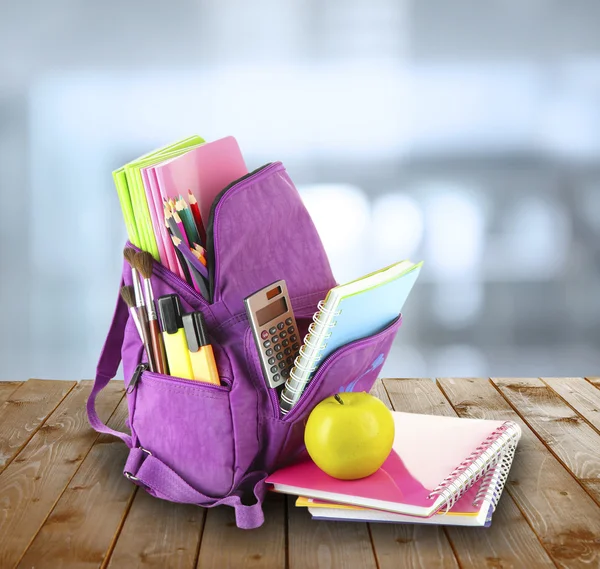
<point>130,256</point>
<point>144,263</point>
<point>128,295</point>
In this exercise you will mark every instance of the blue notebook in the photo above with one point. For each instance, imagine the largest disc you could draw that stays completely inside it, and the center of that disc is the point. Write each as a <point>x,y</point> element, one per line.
<point>352,311</point>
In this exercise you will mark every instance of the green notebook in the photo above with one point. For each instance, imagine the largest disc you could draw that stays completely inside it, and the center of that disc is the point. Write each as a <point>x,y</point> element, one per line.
<point>132,195</point>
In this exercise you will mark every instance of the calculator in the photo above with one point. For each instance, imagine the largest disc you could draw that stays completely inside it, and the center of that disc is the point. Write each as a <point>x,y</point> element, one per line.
<point>275,332</point>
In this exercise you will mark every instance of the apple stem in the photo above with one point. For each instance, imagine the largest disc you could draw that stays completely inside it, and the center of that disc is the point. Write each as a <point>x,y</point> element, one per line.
<point>338,398</point>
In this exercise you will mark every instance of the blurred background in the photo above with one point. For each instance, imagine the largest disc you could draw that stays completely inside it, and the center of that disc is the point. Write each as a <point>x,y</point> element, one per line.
<point>466,134</point>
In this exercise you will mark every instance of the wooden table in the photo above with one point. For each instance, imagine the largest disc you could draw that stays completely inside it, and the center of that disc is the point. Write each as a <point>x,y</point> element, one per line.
<point>65,503</point>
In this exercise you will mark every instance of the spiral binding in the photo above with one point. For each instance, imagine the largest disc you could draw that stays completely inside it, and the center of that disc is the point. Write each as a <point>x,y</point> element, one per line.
<point>491,460</point>
<point>294,386</point>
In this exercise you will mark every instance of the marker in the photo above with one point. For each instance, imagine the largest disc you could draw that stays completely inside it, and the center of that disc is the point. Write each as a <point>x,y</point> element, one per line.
<point>178,356</point>
<point>201,352</point>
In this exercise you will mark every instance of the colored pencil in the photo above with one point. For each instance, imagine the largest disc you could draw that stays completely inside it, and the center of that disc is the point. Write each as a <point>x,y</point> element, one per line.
<point>188,220</point>
<point>197,217</point>
<point>182,232</point>
<point>198,271</point>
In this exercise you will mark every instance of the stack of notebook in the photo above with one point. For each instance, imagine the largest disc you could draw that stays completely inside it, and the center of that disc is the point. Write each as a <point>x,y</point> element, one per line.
<point>442,470</point>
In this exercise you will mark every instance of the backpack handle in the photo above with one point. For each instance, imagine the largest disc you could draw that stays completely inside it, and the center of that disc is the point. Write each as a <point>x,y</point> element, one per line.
<point>107,368</point>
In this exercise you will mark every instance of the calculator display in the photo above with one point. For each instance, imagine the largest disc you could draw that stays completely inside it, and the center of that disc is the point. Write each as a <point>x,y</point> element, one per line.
<point>271,311</point>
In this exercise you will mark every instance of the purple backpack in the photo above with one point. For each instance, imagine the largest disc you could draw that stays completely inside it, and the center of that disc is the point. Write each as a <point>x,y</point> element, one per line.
<point>198,443</point>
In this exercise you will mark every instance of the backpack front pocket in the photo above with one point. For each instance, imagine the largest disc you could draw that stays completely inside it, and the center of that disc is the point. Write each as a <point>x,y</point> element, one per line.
<point>187,425</point>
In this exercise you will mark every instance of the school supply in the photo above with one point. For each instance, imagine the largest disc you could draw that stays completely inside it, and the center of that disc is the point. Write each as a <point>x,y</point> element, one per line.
<point>195,209</point>
<point>204,444</point>
<point>178,358</point>
<point>134,200</point>
<point>144,262</point>
<point>202,357</point>
<point>128,295</point>
<point>191,259</point>
<point>332,511</point>
<point>130,256</point>
<point>274,329</point>
<point>351,311</point>
<point>435,463</point>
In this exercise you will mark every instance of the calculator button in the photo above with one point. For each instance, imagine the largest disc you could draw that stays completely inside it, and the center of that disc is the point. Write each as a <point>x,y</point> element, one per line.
<point>276,377</point>
<point>279,357</point>
<point>285,343</point>
<point>288,321</point>
<point>294,347</point>
<point>291,330</point>
<point>264,334</point>
<point>281,365</point>
<point>290,360</point>
<point>275,339</point>
<point>283,334</point>
<point>293,338</point>
<point>274,369</point>
<point>269,352</point>
<point>281,325</point>
<point>285,373</point>
<point>267,344</point>
<point>277,347</point>
<point>271,361</point>
<point>272,330</point>
<point>288,351</point>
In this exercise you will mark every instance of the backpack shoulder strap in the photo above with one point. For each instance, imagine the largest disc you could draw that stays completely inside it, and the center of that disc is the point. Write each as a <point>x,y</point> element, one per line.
<point>108,364</point>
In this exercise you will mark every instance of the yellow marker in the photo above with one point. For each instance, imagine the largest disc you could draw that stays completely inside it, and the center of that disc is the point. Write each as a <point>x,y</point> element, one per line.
<point>201,353</point>
<point>178,356</point>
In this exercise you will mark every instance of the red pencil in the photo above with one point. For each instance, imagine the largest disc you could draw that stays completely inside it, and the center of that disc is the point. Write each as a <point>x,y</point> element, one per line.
<point>197,217</point>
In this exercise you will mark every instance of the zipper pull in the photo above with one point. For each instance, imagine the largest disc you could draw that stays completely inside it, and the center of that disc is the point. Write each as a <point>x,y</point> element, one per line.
<point>136,376</point>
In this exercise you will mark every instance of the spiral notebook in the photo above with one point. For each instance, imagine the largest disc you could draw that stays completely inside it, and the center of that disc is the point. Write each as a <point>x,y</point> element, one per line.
<point>349,312</point>
<point>436,463</point>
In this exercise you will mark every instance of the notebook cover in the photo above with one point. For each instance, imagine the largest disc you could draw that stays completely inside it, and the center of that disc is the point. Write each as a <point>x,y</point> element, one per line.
<point>426,449</point>
<point>205,170</point>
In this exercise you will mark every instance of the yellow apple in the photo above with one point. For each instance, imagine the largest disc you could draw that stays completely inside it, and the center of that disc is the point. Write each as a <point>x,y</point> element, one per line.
<point>349,435</point>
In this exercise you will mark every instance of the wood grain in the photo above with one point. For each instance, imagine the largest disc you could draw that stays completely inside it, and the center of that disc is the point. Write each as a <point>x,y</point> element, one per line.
<point>594,381</point>
<point>158,534</point>
<point>24,411</point>
<point>510,541</point>
<point>380,392</point>
<point>226,546</point>
<point>31,485</point>
<point>579,394</point>
<point>7,388</point>
<point>411,545</point>
<point>564,432</point>
<point>79,531</point>
<point>563,516</point>
<point>314,543</point>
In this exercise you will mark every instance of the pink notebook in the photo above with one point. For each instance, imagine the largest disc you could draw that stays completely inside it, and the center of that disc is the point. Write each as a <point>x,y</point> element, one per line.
<point>205,170</point>
<point>435,463</point>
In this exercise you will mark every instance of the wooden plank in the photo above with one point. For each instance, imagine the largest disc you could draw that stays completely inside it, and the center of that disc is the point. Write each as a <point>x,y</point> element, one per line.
<point>564,517</point>
<point>33,482</point>
<point>594,381</point>
<point>314,543</point>
<point>24,411</point>
<point>81,528</point>
<point>510,541</point>
<point>224,545</point>
<point>411,545</point>
<point>158,534</point>
<point>564,432</point>
<point>7,388</point>
<point>380,392</point>
<point>593,489</point>
<point>579,394</point>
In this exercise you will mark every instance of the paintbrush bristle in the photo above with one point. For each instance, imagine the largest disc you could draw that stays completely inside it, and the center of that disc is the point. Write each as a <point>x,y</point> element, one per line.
<point>129,255</point>
<point>128,295</point>
<point>144,263</point>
